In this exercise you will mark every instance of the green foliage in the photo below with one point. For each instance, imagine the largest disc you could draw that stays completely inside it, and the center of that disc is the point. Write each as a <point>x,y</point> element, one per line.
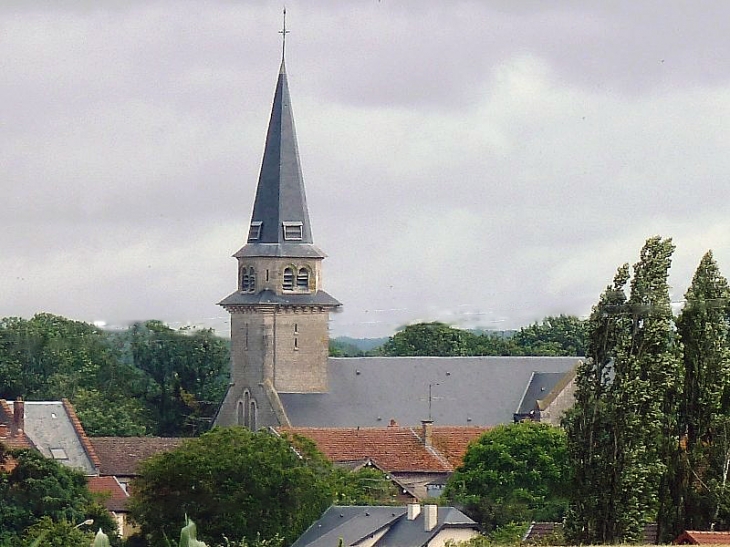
<point>699,466</point>
<point>514,472</point>
<point>63,533</point>
<point>623,427</point>
<point>39,494</point>
<point>423,339</point>
<point>238,483</point>
<point>554,336</point>
<point>149,379</point>
<point>340,348</point>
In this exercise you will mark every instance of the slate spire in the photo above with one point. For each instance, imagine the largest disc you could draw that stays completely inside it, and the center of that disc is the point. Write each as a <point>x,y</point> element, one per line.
<point>280,221</point>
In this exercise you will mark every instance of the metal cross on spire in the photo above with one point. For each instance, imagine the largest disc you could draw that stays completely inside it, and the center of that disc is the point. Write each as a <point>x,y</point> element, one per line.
<point>283,33</point>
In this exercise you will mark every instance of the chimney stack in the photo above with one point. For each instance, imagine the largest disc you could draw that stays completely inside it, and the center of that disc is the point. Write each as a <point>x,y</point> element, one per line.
<point>414,509</point>
<point>430,517</point>
<point>427,432</point>
<point>19,415</point>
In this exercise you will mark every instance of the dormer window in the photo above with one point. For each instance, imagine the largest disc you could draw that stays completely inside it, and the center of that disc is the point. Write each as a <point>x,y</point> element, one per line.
<point>292,231</point>
<point>254,232</point>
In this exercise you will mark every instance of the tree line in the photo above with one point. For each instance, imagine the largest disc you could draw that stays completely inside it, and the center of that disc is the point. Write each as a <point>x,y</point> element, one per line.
<point>648,439</point>
<point>561,335</point>
<point>146,380</point>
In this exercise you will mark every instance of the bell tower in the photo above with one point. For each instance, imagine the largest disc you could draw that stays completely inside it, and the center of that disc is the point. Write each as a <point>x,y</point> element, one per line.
<point>279,312</point>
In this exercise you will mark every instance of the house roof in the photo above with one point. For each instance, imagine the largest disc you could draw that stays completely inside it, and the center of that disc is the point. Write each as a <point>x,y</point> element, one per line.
<point>10,436</point>
<point>114,497</point>
<point>370,391</point>
<point>280,196</point>
<point>56,432</point>
<point>393,449</point>
<point>356,523</point>
<point>121,456</point>
<point>539,386</point>
<point>696,537</point>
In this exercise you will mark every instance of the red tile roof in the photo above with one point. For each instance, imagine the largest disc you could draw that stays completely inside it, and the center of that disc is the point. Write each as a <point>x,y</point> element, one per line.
<point>114,498</point>
<point>695,537</point>
<point>121,456</point>
<point>394,449</point>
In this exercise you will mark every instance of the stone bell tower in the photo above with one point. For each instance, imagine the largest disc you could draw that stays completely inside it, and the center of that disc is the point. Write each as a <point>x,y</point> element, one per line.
<point>279,312</point>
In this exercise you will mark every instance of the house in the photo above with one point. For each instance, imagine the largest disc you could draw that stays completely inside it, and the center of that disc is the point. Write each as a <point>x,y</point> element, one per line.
<point>114,498</point>
<point>120,457</point>
<point>376,526</point>
<point>418,460</point>
<point>547,396</point>
<point>697,537</point>
<point>280,371</point>
<point>52,428</point>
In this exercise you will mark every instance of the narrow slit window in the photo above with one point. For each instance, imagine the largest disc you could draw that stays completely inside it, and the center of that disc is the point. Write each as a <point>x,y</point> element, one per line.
<point>245,280</point>
<point>303,279</point>
<point>296,343</point>
<point>288,283</point>
<point>292,231</point>
<point>254,232</point>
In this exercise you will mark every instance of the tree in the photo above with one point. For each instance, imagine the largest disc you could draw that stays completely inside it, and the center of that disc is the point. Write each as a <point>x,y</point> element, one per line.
<point>589,423</point>
<point>38,488</point>
<point>515,472</point>
<point>240,484</point>
<point>427,339</point>
<point>186,374</point>
<point>636,406</point>
<point>559,335</point>
<point>701,461</point>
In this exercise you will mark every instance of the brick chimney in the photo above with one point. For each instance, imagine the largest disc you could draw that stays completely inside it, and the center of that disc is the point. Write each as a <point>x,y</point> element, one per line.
<point>414,509</point>
<point>18,415</point>
<point>427,429</point>
<point>430,517</point>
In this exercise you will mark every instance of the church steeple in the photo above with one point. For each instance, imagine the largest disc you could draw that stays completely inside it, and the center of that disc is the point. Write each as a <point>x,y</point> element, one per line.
<point>280,221</point>
<point>279,312</point>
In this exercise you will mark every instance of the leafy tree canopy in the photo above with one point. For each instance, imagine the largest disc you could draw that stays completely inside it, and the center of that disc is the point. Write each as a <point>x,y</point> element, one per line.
<point>513,472</point>
<point>39,494</point>
<point>236,483</point>
<point>149,379</point>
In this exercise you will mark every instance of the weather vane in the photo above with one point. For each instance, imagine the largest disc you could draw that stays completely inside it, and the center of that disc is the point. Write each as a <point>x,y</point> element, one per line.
<point>283,33</point>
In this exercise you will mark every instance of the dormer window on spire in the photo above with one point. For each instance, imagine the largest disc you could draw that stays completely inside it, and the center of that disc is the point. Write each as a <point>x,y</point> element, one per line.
<point>292,231</point>
<point>254,232</point>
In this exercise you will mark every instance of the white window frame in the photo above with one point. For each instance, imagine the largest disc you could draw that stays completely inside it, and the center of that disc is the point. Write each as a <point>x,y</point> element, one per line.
<point>293,231</point>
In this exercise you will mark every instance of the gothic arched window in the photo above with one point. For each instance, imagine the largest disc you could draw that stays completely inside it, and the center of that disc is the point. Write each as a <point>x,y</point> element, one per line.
<point>252,415</point>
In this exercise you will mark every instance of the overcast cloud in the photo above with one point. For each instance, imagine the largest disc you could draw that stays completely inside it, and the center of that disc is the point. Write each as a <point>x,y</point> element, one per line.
<point>481,163</point>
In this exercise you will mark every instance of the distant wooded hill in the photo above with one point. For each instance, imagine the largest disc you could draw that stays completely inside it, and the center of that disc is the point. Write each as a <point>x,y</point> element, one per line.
<point>562,335</point>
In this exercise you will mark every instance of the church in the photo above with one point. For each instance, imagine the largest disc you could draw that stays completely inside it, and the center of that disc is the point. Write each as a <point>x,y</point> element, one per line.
<point>281,374</point>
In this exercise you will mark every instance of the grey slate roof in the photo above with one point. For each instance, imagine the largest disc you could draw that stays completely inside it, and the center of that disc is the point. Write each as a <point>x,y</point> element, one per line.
<point>541,384</point>
<point>51,430</point>
<point>319,298</point>
<point>280,195</point>
<point>370,391</point>
<point>354,523</point>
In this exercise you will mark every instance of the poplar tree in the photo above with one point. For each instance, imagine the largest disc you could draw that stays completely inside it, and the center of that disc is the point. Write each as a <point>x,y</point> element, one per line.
<point>588,423</point>
<point>625,410</point>
<point>701,460</point>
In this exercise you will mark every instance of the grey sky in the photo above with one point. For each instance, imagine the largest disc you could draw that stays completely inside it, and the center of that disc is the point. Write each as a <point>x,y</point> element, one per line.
<point>482,163</point>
